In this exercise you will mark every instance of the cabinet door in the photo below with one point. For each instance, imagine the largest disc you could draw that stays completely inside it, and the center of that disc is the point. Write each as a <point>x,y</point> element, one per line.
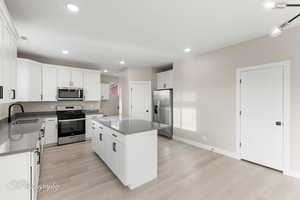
<point>101,137</point>
<point>6,65</point>
<point>93,136</point>
<point>119,161</point>
<point>13,68</point>
<point>29,80</point>
<point>34,174</point>
<point>92,86</point>
<point>51,131</point>
<point>49,83</point>
<point>63,77</point>
<point>77,78</point>
<point>109,140</point>
<point>90,126</point>
<point>160,80</point>
<point>1,54</point>
<point>105,90</point>
<point>169,79</point>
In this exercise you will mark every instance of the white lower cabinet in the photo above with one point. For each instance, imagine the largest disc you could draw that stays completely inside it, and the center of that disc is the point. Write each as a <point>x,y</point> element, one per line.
<point>23,182</point>
<point>51,132</point>
<point>132,158</point>
<point>89,124</point>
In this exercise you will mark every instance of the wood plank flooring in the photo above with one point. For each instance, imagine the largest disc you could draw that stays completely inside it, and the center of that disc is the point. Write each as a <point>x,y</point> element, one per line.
<point>185,173</point>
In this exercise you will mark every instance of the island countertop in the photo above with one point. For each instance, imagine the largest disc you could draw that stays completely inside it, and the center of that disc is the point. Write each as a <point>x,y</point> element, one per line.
<point>127,126</point>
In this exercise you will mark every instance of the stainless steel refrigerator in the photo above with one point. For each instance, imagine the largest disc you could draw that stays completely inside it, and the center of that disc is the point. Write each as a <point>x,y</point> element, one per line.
<point>163,110</point>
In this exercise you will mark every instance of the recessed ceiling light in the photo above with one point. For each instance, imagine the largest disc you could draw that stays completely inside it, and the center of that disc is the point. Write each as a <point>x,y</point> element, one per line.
<point>122,62</point>
<point>276,31</point>
<point>65,52</point>
<point>269,5</point>
<point>72,7</point>
<point>187,50</point>
<point>105,71</point>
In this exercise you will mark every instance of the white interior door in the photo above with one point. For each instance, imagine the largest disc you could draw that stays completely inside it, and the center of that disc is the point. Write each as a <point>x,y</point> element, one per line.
<point>262,116</point>
<point>140,100</point>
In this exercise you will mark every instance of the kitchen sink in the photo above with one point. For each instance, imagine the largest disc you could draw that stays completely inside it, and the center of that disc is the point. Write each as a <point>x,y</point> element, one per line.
<point>26,121</point>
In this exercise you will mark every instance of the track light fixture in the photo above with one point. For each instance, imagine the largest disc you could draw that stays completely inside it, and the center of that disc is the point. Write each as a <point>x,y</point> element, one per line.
<point>280,5</point>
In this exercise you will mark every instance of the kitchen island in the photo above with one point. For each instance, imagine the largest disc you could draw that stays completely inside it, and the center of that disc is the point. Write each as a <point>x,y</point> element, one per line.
<point>128,147</point>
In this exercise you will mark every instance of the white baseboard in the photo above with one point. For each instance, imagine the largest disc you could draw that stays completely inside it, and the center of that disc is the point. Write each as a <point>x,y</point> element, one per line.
<point>291,173</point>
<point>208,147</point>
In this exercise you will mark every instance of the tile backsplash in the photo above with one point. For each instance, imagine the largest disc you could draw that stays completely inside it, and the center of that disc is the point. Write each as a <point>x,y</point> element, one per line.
<point>51,106</point>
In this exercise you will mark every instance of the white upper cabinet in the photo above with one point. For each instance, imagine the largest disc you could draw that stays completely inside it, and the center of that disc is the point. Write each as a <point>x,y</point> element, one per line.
<point>63,77</point>
<point>39,82</point>
<point>105,90</point>
<point>77,78</point>
<point>165,80</point>
<point>70,77</point>
<point>8,49</point>
<point>49,80</point>
<point>92,85</point>
<point>29,80</point>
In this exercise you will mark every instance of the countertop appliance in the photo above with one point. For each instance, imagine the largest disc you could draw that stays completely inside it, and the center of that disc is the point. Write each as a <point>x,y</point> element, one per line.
<point>70,94</point>
<point>71,124</point>
<point>163,110</point>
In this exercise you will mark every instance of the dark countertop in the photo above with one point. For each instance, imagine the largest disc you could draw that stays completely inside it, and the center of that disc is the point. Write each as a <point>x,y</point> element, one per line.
<point>18,138</point>
<point>130,126</point>
<point>23,137</point>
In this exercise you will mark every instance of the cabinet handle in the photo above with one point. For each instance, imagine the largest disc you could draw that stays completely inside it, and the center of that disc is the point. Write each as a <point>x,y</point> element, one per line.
<point>114,135</point>
<point>114,147</point>
<point>37,151</point>
<point>100,136</point>
<point>43,132</point>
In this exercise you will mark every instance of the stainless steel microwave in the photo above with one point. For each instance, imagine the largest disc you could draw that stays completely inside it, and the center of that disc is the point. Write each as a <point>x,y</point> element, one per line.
<point>70,94</point>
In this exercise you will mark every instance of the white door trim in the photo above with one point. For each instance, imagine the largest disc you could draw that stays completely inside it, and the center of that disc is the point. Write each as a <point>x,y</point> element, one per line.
<point>286,107</point>
<point>129,92</point>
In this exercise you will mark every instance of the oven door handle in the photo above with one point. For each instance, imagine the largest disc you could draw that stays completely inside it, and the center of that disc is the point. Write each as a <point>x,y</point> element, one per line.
<point>71,120</point>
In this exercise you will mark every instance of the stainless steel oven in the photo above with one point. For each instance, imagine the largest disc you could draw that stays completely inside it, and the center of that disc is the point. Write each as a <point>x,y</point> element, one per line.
<point>71,124</point>
<point>70,94</point>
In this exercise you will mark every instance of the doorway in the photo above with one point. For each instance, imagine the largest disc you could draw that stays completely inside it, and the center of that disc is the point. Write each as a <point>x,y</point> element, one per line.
<point>263,114</point>
<point>140,100</point>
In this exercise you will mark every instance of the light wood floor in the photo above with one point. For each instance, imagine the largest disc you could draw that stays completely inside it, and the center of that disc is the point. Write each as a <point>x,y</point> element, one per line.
<point>185,173</point>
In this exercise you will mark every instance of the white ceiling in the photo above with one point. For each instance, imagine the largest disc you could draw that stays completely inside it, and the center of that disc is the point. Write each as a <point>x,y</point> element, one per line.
<point>142,32</point>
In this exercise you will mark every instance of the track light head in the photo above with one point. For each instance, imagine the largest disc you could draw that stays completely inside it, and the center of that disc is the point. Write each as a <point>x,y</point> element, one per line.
<point>274,5</point>
<point>276,31</point>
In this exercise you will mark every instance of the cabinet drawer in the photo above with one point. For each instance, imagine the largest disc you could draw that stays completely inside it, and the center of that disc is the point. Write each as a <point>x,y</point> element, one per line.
<point>119,136</point>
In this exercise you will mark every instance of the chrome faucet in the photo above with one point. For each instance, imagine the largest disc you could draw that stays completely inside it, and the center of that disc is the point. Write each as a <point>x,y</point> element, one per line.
<point>9,110</point>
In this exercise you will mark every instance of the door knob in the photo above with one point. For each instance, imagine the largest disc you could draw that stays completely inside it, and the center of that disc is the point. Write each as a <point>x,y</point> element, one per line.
<point>147,110</point>
<point>278,123</point>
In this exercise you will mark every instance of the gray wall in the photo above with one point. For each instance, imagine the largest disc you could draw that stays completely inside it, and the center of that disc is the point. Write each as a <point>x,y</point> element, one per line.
<point>205,90</point>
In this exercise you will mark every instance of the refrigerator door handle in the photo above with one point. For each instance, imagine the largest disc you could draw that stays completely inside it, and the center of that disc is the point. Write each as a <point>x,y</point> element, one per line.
<point>156,109</point>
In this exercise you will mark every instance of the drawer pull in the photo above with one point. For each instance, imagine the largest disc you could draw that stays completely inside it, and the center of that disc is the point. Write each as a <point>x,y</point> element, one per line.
<point>100,136</point>
<point>114,135</point>
<point>114,147</point>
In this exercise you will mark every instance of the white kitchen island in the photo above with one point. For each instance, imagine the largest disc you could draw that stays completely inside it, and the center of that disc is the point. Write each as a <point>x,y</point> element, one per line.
<point>128,147</point>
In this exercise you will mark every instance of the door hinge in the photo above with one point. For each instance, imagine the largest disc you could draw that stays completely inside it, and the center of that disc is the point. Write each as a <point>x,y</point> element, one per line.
<point>240,112</point>
<point>240,144</point>
<point>41,97</point>
<point>241,81</point>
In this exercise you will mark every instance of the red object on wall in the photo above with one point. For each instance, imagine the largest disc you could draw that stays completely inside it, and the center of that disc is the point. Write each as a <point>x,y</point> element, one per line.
<point>114,90</point>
